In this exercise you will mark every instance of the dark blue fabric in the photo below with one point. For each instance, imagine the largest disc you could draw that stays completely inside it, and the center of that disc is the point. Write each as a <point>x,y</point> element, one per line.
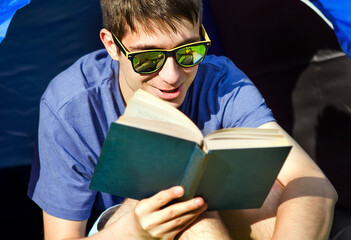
<point>211,29</point>
<point>8,8</point>
<point>43,39</point>
<point>79,105</point>
<point>339,14</point>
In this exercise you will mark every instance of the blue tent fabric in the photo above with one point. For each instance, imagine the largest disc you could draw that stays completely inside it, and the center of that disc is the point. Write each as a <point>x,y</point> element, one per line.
<point>8,9</point>
<point>339,14</point>
<point>43,39</point>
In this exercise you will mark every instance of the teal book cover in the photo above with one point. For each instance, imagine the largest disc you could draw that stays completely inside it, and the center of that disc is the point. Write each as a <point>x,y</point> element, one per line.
<point>137,163</point>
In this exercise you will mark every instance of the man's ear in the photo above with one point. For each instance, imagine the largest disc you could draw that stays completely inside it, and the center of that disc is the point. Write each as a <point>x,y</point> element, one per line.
<point>107,40</point>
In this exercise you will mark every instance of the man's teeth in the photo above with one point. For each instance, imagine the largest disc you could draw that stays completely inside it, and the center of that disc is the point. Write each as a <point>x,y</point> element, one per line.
<point>171,91</point>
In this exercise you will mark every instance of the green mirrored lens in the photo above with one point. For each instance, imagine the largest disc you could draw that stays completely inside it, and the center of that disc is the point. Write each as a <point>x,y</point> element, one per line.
<point>191,55</point>
<point>148,62</point>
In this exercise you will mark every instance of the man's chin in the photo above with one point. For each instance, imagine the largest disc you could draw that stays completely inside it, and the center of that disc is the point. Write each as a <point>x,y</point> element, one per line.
<point>175,102</point>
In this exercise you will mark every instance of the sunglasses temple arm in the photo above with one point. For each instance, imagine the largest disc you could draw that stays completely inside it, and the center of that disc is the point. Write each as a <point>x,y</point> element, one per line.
<point>119,44</point>
<point>204,33</point>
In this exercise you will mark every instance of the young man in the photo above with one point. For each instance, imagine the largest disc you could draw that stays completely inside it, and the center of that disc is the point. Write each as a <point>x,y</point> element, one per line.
<point>80,103</point>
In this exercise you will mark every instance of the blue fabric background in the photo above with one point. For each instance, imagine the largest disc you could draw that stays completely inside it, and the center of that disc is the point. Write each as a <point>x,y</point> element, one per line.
<point>8,8</point>
<point>339,14</point>
<point>43,39</point>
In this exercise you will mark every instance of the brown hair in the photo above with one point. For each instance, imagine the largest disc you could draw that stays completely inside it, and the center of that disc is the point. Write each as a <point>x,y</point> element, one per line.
<point>150,14</point>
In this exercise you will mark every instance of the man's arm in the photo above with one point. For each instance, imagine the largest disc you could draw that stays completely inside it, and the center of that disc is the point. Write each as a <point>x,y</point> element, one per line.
<point>300,205</point>
<point>58,229</point>
<point>149,218</point>
<point>62,229</point>
<point>307,201</point>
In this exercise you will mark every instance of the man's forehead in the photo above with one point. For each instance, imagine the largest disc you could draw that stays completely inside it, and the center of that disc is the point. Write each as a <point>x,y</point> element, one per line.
<point>143,37</point>
<point>159,28</point>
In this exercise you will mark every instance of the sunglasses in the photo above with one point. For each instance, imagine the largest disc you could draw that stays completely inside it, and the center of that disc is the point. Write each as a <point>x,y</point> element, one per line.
<point>150,61</point>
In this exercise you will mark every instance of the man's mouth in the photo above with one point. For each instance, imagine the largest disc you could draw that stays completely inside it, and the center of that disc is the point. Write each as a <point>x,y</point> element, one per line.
<point>169,91</point>
<point>168,94</point>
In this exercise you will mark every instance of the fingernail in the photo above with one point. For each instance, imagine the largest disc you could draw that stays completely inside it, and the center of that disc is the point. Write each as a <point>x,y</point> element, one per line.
<point>198,201</point>
<point>179,191</point>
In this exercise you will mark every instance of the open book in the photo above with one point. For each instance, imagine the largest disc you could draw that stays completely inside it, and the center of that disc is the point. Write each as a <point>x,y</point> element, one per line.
<point>154,146</point>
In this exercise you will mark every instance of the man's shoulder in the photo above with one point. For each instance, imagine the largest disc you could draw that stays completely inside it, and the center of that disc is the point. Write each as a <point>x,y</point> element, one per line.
<point>217,61</point>
<point>218,70</point>
<point>220,65</point>
<point>217,79</point>
<point>89,71</point>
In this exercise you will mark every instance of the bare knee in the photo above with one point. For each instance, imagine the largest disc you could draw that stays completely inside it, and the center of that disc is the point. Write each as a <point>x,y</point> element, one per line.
<point>254,223</point>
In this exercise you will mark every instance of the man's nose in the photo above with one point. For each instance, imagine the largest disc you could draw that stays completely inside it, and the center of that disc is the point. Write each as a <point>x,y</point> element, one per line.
<point>170,71</point>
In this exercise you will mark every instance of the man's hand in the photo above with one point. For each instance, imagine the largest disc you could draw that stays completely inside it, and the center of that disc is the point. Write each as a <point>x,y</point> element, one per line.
<point>153,218</point>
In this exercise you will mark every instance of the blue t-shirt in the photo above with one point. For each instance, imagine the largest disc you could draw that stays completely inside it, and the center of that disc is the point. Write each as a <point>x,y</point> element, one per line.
<point>79,105</point>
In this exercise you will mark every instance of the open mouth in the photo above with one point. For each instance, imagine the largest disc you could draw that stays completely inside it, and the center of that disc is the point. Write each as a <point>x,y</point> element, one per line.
<point>169,94</point>
<point>170,91</point>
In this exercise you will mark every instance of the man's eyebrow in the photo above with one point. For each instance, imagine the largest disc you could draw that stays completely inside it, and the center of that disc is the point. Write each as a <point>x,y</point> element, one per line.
<point>140,47</point>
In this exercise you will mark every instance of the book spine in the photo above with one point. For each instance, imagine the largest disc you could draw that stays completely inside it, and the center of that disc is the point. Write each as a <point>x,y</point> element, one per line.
<point>193,173</point>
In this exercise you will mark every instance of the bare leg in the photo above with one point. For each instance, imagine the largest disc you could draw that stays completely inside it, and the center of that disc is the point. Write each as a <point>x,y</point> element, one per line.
<point>241,224</point>
<point>127,206</point>
<point>254,223</point>
<point>208,226</point>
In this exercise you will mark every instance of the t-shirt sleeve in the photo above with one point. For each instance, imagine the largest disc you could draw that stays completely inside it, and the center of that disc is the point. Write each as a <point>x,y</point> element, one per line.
<point>62,185</point>
<point>222,96</point>
<point>242,103</point>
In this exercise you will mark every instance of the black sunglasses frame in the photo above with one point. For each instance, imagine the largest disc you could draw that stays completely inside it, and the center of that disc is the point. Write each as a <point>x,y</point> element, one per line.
<point>167,53</point>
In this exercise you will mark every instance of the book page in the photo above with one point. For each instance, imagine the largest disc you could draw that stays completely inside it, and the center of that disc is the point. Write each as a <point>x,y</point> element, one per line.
<point>227,132</point>
<point>146,106</point>
<point>244,138</point>
<point>163,127</point>
<point>165,112</point>
<point>244,143</point>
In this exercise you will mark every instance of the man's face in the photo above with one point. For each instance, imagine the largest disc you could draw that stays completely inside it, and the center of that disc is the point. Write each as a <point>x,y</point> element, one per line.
<point>172,81</point>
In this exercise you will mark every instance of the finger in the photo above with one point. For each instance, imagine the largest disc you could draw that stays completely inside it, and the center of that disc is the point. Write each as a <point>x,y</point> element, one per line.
<point>171,228</point>
<point>162,233</point>
<point>192,207</point>
<point>159,200</point>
